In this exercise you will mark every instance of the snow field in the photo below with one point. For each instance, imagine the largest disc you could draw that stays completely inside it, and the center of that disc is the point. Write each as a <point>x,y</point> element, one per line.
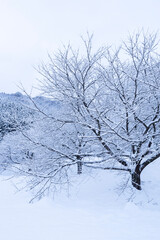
<point>92,212</point>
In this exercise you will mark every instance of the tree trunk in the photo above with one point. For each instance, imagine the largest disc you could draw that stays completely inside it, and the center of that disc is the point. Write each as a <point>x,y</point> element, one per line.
<point>136,179</point>
<point>79,167</point>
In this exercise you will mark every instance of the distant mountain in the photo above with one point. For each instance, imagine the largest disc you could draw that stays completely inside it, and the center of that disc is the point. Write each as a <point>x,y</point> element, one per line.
<point>24,99</point>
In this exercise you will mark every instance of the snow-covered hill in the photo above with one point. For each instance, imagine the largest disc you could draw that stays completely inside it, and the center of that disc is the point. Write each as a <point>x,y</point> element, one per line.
<point>24,99</point>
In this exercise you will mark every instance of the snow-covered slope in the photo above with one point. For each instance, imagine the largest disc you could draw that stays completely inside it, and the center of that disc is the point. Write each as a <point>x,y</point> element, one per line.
<point>93,211</point>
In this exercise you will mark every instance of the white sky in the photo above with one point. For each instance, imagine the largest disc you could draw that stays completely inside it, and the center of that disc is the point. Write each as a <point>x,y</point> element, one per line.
<point>31,28</point>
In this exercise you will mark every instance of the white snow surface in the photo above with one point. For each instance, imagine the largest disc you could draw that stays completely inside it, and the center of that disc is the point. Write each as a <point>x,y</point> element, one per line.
<point>93,211</point>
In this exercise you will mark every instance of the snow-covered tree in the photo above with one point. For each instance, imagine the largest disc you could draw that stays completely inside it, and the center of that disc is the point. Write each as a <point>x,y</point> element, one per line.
<point>109,117</point>
<point>15,117</point>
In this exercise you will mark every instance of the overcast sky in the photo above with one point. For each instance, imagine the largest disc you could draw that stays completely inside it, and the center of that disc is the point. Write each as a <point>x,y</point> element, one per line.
<point>31,28</point>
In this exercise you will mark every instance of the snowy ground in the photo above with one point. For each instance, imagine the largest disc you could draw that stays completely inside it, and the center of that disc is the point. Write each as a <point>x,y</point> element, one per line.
<point>92,212</point>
